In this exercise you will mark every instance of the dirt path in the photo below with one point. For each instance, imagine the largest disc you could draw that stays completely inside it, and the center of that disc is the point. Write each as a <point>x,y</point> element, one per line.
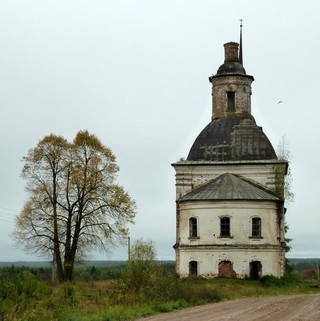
<point>283,308</point>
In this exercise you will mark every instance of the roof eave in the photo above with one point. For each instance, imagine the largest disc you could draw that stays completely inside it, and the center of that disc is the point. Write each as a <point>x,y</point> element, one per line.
<point>232,162</point>
<point>276,200</point>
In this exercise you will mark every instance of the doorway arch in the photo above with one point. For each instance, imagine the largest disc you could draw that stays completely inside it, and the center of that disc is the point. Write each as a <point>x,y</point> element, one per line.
<point>255,270</point>
<point>226,269</point>
<point>193,268</point>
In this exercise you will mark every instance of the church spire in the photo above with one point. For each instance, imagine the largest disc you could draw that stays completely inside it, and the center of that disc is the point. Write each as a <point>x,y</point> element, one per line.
<point>240,47</point>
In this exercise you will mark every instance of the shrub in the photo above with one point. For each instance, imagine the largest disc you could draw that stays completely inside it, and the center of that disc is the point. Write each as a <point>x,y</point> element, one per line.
<point>271,281</point>
<point>143,277</point>
<point>69,292</point>
<point>170,306</point>
<point>310,273</point>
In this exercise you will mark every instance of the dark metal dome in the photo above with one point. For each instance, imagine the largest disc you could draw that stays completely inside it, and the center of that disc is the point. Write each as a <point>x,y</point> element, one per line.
<point>234,68</point>
<point>232,139</point>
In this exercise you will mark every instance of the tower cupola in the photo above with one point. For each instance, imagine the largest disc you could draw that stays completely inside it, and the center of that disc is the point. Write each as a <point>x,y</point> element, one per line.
<point>231,86</point>
<point>232,134</point>
<point>231,64</point>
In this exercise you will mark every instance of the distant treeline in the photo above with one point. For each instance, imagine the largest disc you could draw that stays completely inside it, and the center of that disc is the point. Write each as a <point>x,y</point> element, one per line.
<point>96,263</point>
<point>301,265</point>
<point>111,270</point>
<point>45,264</point>
<point>86,271</point>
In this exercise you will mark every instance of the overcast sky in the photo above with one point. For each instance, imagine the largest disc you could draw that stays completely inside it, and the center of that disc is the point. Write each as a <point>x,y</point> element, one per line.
<point>135,73</point>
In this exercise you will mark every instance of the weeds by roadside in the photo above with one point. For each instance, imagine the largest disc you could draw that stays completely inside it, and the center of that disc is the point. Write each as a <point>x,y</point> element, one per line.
<point>24,297</point>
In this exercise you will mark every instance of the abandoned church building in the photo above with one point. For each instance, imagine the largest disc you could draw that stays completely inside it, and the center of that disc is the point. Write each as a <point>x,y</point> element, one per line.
<point>230,189</point>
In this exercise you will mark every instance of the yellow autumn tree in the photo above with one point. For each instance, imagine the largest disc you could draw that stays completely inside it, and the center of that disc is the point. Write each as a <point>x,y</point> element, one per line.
<point>74,204</point>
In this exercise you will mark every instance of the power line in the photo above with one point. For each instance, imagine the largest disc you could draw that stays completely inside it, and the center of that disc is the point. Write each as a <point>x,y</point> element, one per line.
<point>7,215</point>
<point>7,209</point>
<point>6,219</point>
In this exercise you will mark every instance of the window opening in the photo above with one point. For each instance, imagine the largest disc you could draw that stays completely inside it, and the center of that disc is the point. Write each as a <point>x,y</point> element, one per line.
<point>225,226</point>
<point>193,227</point>
<point>231,101</point>
<point>256,226</point>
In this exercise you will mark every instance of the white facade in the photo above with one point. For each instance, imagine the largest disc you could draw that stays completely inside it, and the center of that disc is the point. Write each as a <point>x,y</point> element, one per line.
<point>189,175</point>
<point>209,248</point>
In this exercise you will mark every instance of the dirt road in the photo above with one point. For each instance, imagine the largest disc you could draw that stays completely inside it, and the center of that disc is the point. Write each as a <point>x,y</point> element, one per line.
<point>282,308</point>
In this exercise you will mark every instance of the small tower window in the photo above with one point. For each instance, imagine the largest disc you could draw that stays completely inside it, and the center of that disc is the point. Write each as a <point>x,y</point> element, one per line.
<point>256,227</point>
<point>231,101</point>
<point>193,227</point>
<point>225,226</point>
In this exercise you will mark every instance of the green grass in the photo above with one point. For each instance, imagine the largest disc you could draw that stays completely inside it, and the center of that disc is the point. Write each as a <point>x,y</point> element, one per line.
<point>25,298</point>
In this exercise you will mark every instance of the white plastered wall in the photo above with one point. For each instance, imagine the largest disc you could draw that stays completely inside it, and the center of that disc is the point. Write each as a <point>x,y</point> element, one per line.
<point>209,248</point>
<point>190,175</point>
<point>209,259</point>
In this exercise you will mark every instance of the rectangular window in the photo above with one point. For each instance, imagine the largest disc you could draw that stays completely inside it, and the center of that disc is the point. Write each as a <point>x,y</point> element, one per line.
<point>231,101</point>
<point>225,226</point>
<point>193,227</point>
<point>256,227</point>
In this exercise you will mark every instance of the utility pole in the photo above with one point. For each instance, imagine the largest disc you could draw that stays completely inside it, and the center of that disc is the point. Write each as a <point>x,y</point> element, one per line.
<point>129,254</point>
<point>54,271</point>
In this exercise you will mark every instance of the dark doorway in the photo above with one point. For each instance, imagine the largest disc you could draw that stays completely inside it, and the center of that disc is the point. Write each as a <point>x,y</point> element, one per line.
<point>255,270</point>
<point>193,268</point>
<point>226,269</point>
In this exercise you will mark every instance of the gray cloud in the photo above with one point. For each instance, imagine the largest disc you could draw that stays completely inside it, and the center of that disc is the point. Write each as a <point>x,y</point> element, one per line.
<point>135,73</point>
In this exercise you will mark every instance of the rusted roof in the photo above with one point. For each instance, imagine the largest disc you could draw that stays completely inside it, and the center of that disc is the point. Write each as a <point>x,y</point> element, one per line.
<point>232,139</point>
<point>228,187</point>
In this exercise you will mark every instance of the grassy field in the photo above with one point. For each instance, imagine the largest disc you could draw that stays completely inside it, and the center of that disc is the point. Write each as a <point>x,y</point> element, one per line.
<point>25,294</point>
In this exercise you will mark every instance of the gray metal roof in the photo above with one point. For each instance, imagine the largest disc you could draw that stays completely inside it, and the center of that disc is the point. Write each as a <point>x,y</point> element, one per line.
<point>228,187</point>
<point>232,139</point>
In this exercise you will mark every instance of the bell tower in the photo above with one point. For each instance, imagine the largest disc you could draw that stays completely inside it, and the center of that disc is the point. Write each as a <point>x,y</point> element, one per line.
<point>232,134</point>
<point>229,190</point>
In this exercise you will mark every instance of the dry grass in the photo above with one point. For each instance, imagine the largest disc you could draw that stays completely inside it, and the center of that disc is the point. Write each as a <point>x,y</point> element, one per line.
<point>31,300</point>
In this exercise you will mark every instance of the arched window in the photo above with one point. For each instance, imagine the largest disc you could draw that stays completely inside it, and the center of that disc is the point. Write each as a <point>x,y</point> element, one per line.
<point>193,268</point>
<point>193,227</point>
<point>224,226</point>
<point>256,227</point>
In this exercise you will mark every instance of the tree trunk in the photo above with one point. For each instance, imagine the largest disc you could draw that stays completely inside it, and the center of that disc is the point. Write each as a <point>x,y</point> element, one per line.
<point>58,262</point>
<point>68,258</point>
<point>56,241</point>
<point>68,268</point>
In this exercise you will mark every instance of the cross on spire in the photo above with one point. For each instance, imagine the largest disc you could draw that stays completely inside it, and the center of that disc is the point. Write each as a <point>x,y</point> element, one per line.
<point>240,45</point>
